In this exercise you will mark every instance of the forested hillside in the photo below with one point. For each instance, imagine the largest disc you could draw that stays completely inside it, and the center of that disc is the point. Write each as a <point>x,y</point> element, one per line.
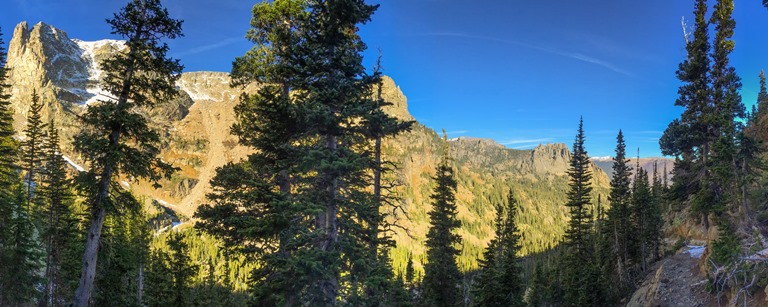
<point>300,178</point>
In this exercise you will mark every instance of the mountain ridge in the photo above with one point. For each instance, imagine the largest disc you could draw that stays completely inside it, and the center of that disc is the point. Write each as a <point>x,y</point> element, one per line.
<point>195,131</point>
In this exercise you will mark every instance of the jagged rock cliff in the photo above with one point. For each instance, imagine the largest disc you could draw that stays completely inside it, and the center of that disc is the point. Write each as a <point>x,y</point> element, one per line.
<point>195,130</point>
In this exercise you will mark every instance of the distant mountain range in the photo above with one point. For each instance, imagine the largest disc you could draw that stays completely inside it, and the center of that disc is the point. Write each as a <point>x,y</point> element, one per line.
<point>606,164</point>
<point>196,138</point>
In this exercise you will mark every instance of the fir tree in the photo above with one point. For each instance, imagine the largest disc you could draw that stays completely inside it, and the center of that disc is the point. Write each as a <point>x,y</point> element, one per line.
<point>23,275</point>
<point>537,294</point>
<point>500,282</point>
<point>59,221</point>
<point>619,214</point>
<point>642,202</point>
<point>579,280</point>
<point>32,148</point>
<point>486,290</point>
<point>116,140</point>
<point>124,251</point>
<point>762,104</point>
<point>441,275</point>
<point>312,128</point>
<point>8,146</point>
<point>270,122</point>
<point>8,178</point>
<point>727,105</point>
<point>182,270</point>
<point>655,218</point>
<point>159,280</point>
<point>690,137</point>
<point>410,276</point>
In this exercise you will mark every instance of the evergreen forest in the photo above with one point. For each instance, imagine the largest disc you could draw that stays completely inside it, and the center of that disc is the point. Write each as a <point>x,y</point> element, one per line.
<point>317,211</point>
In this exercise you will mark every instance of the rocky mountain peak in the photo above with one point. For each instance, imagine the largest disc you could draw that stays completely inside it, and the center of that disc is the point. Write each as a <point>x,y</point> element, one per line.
<point>392,93</point>
<point>550,158</point>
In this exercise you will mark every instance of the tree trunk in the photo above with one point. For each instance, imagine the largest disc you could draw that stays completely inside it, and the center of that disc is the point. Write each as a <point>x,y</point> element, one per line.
<point>744,202</point>
<point>140,285</point>
<point>328,224</point>
<point>374,244</point>
<point>99,212</point>
<point>83,293</point>
<point>283,180</point>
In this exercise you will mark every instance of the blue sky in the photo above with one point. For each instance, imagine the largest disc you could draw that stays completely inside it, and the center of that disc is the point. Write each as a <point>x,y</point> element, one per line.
<point>519,72</point>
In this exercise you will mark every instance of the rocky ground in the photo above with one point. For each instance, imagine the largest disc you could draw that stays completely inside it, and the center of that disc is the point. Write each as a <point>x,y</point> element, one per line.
<point>675,281</point>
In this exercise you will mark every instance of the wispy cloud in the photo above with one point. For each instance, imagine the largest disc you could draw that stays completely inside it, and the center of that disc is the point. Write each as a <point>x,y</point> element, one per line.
<point>457,132</point>
<point>550,50</point>
<point>529,146</point>
<point>204,48</point>
<point>528,141</point>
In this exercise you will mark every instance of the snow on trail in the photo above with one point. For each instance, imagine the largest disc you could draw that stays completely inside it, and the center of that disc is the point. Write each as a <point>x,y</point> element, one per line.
<point>695,251</point>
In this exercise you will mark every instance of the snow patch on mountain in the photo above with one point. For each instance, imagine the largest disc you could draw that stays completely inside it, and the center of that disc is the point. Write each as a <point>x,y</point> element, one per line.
<point>73,164</point>
<point>93,90</point>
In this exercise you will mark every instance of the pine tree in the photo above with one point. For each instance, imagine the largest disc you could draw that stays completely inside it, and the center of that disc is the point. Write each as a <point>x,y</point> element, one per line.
<point>579,280</point>
<point>124,253</point>
<point>8,178</point>
<point>32,149</point>
<point>410,280</point>
<point>379,125</point>
<point>500,282</point>
<point>312,128</point>
<point>762,104</point>
<point>486,290</point>
<point>116,140</point>
<point>690,137</point>
<point>642,202</point>
<point>619,214</point>
<point>441,275</point>
<point>182,270</point>
<point>537,293</point>
<point>270,122</point>
<point>32,157</point>
<point>159,280</point>
<point>656,221</point>
<point>25,256</point>
<point>727,105</point>
<point>59,221</point>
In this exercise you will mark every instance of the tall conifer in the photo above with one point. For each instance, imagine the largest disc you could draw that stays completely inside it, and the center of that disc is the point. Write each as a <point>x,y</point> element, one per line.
<point>8,177</point>
<point>619,213</point>
<point>441,274</point>
<point>500,281</point>
<point>116,140</point>
<point>59,221</point>
<point>690,137</point>
<point>578,280</point>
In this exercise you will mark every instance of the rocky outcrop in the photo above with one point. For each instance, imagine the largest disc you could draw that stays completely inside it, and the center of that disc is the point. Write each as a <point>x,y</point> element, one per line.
<point>62,71</point>
<point>549,159</point>
<point>392,93</point>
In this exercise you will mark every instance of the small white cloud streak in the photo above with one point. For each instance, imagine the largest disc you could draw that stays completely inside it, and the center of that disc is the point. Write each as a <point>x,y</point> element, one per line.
<point>537,141</point>
<point>555,51</point>
<point>457,132</point>
<point>204,48</point>
<point>529,146</point>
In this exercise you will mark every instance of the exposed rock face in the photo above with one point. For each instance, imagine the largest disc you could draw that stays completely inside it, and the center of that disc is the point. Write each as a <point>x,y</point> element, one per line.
<point>61,70</point>
<point>392,93</point>
<point>606,164</point>
<point>550,159</point>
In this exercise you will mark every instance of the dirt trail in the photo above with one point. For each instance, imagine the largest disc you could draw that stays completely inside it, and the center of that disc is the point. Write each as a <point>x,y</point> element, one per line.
<point>675,281</point>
